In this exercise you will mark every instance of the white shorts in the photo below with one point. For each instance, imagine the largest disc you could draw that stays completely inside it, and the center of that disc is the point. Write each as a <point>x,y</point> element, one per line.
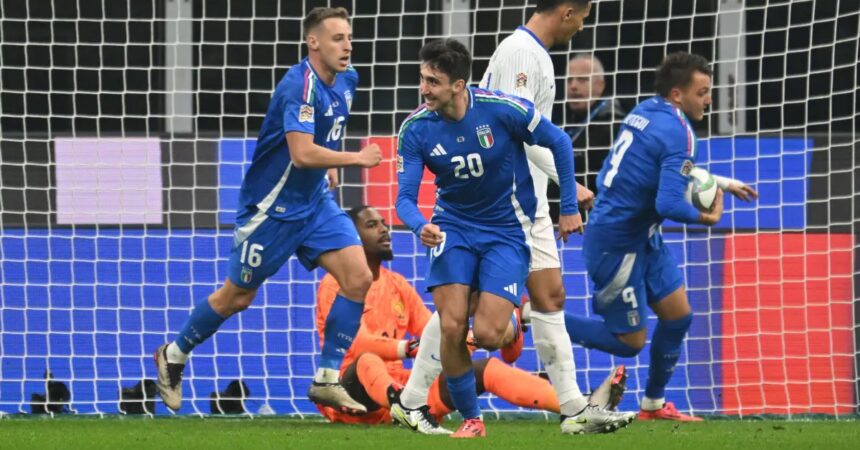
<point>544,250</point>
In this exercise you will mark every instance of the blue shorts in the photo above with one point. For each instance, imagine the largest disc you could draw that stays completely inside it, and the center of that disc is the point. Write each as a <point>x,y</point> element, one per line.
<point>261,244</point>
<point>488,261</point>
<point>623,280</point>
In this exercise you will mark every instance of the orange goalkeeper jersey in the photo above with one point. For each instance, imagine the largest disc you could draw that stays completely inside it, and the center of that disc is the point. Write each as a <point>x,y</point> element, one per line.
<point>393,311</point>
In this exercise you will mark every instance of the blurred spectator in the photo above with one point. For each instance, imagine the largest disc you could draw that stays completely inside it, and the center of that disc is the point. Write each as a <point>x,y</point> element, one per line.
<point>591,121</point>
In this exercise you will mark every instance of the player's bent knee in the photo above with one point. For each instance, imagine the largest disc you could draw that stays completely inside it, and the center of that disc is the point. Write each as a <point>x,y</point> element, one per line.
<point>634,343</point>
<point>548,297</point>
<point>681,325</point>
<point>488,337</point>
<point>231,299</point>
<point>626,351</point>
<point>241,302</point>
<point>453,327</point>
<point>356,284</point>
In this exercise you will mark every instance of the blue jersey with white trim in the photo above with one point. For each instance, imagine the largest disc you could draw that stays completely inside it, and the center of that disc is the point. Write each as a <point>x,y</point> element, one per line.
<point>645,176</point>
<point>302,103</point>
<point>482,174</point>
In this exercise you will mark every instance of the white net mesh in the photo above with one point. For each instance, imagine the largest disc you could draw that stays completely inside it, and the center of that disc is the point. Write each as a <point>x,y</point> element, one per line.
<point>126,127</point>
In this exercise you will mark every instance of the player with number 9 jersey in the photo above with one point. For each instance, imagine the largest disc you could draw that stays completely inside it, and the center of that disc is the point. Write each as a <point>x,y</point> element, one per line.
<point>623,230</point>
<point>642,182</point>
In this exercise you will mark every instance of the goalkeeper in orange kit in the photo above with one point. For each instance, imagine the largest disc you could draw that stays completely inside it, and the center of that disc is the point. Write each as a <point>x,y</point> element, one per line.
<point>394,316</point>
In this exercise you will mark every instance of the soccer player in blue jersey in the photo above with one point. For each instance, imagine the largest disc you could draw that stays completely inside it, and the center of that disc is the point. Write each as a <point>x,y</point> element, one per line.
<point>472,140</point>
<point>285,208</point>
<point>643,182</point>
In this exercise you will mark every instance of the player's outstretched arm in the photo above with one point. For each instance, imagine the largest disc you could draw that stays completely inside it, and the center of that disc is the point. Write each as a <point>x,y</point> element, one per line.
<point>305,154</point>
<point>736,187</point>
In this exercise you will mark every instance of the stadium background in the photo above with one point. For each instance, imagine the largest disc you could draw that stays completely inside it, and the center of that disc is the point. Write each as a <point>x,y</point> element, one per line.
<point>126,127</point>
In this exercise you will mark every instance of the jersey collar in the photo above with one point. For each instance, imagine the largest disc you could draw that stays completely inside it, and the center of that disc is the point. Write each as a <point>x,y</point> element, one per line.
<point>307,62</point>
<point>523,28</point>
<point>471,92</point>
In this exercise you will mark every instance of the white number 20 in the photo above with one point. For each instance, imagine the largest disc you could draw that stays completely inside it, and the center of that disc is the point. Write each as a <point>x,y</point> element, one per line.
<point>621,145</point>
<point>476,167</point>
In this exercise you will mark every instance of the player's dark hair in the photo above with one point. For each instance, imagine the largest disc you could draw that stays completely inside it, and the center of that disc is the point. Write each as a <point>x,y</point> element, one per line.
<point>318,14</point>
<point>549,5</point>
<point>354,212</point>
<point>676,71</point>
<point>450,57</point>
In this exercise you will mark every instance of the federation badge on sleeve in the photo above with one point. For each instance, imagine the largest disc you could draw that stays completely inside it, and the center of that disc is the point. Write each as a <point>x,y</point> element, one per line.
<point>485,136</point>
<point>687,168</point>
<point>400,168</point>
<point>306,114</point>
<point>522,78</point>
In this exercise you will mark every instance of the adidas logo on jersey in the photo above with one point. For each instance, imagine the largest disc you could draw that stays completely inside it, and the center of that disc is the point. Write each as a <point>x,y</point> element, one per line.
<point>511,289</point>
<point>330,112</point>
<point>438,150</point>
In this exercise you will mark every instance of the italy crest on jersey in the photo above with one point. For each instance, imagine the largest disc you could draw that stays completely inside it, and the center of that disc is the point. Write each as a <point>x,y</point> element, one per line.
<point>485,136</point>
<point>247,275</point>
<point>348,96</point>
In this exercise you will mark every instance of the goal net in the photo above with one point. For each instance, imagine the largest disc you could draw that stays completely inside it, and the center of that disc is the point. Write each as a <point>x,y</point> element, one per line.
<point>126,127</point>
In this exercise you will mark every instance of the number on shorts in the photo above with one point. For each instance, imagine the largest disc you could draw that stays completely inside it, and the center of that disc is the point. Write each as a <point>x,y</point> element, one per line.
<point>437,250</point>
<point>629,297</point>
<point>252,253</point>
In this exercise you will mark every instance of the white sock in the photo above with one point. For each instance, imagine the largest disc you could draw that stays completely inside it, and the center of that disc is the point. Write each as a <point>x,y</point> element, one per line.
<point>427,365</point>
<point>652,404</point>
<point>325,375</point>
<point>175,355</point>
<point>554,349</point>
<point>526,314</point>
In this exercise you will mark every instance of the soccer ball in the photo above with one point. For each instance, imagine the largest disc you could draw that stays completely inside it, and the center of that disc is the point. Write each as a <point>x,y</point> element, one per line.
<point>702,189</point>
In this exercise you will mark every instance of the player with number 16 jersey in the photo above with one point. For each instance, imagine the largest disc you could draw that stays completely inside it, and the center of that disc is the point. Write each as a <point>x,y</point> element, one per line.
<point>285,208</point>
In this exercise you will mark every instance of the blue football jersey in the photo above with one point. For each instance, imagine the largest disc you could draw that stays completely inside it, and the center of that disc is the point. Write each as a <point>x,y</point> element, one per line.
<point>303,103</point>
<point>482,173</point>
<point>645,176</point>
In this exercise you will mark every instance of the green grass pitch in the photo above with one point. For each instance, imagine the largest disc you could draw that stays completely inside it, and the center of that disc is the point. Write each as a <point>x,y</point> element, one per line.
<point>265,433</point>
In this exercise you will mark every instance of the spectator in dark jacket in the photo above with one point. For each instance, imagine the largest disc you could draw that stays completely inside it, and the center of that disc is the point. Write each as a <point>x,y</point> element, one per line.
<point>591,121</point>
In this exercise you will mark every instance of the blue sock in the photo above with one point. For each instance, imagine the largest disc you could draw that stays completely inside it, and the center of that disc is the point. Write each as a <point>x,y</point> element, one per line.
<point>341,326</point>
<point>202,323</point>
<point>665,350</point>
<point>463,394</point>
<point>592,333</point>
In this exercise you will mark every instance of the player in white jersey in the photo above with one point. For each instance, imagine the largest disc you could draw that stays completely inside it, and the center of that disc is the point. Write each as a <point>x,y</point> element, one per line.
<point>521,66</point>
